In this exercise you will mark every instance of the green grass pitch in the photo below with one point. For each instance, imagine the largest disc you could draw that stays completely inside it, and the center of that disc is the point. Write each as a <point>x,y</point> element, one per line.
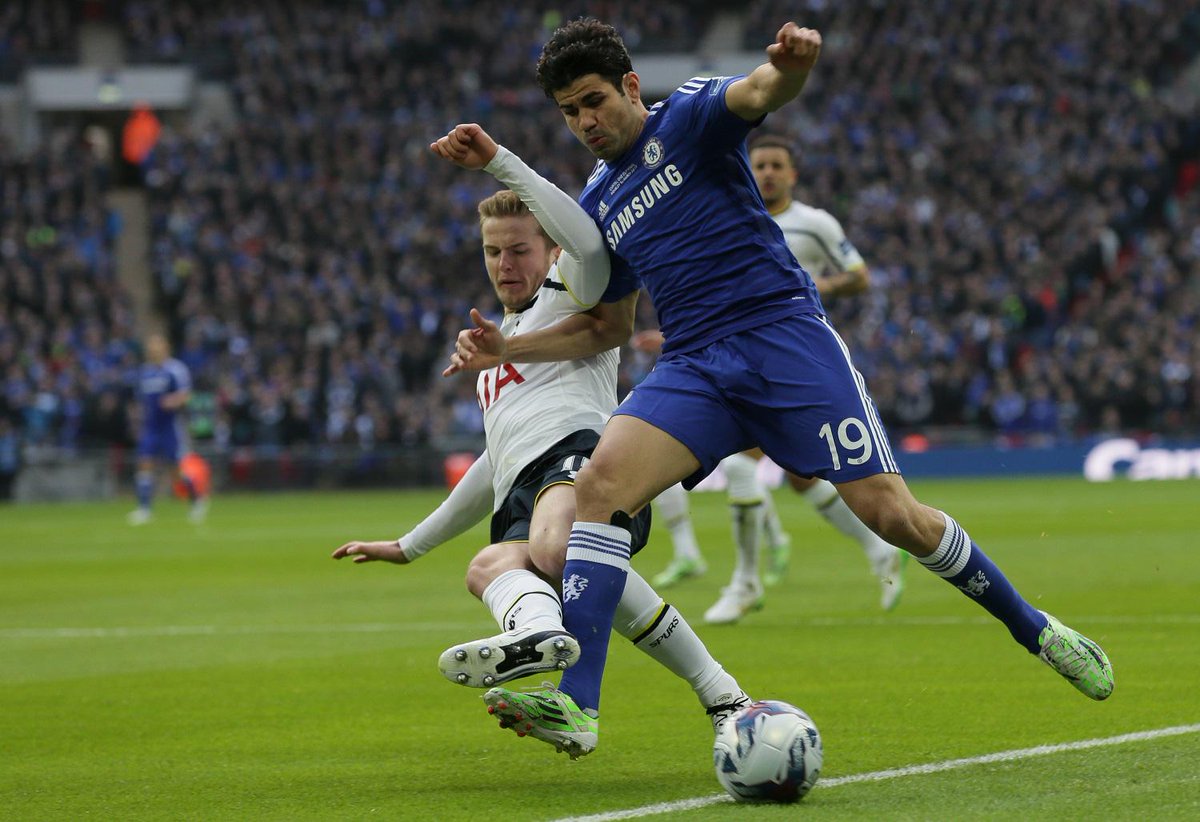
<point>234,671</point>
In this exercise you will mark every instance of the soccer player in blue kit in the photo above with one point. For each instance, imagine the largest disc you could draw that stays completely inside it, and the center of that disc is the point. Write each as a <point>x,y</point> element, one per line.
<point>749,360</point>
<point>164,387</point>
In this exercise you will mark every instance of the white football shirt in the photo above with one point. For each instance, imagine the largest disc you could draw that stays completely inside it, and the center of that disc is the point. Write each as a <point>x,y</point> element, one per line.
<point>527,407</point>
<point>817,240</point>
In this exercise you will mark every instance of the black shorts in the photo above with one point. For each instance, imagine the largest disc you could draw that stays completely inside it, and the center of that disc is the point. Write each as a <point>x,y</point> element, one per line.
<point>557,466</point>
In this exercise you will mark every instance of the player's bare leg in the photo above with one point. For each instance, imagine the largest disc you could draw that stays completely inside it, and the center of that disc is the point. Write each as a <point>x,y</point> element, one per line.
<point>887,561</point>
<point>885,504</point>
<point>527,609</point>
<point>633,464</point>
<point>494,561</point>
<point>550,528</point>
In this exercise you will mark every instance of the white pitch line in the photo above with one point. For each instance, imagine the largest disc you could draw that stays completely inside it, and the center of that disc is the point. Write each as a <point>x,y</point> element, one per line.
<point>896,773</point>
<point>382,627</point>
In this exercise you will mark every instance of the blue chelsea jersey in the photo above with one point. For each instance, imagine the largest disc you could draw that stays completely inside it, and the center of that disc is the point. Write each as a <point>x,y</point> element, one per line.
<point>154,383</point>
<point>681,214</point>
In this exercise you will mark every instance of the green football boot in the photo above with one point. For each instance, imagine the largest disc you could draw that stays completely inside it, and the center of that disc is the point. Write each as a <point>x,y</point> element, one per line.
<point>547,714</point>
<point>778,556</point>
<point>679,569</point>
<point>1077,658</point>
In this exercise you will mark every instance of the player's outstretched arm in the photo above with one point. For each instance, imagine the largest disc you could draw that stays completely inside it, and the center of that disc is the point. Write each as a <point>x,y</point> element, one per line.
<point>604,326</point>
<point>583,264</point>
<point>386,550</point>
<point>776,82</point>
<point>468,503</point>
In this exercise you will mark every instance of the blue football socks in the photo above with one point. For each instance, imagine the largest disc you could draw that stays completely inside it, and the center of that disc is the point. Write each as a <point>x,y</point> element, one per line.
<point>593,581</point>
<point>145,488</point>
<point>960,562</point>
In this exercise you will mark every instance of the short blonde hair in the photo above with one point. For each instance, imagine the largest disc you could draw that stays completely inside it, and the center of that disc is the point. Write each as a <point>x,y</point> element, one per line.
<point>506,203</point>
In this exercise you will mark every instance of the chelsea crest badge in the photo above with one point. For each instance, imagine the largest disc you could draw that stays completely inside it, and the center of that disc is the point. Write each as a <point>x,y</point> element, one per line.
<point>653,153</point>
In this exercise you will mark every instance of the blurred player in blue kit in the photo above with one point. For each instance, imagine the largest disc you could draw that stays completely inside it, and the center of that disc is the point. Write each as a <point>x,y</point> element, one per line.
<point>749,357</point>
<point>164,388</point>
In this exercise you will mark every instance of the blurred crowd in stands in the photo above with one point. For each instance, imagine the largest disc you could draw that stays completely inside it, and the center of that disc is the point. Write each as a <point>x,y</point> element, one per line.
<point>36,31</point>
<point>1027,202</point>
<point>68,352</point>
<point>1028,205</point>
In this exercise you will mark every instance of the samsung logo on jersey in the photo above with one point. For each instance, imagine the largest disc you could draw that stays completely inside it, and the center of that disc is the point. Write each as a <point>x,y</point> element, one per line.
<point>654,190</point>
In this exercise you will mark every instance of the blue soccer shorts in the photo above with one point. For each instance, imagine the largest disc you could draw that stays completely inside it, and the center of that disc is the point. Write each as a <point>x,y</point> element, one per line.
<point>788,387</point>
<point>163,444</point>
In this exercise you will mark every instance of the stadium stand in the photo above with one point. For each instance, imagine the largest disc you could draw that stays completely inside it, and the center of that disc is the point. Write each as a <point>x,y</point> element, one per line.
<point>36,31</point>
<point>1023,197</point>
<point>67,345</point>
<point>1029,208</point>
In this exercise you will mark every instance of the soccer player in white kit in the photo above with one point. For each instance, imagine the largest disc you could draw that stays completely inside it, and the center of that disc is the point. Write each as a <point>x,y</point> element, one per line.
<point>820,245</point>
<point>541,421</point>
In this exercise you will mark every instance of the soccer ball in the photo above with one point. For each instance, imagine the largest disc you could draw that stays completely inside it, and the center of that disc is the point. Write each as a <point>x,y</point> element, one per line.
<point>769,751</point>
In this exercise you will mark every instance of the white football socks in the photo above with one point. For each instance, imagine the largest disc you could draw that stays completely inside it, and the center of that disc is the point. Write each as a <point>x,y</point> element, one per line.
<point>747,531</point>
<point>772,527</point>
<point>659,630</point>
<point>746,495</point>
<point>520,598</point>
<point>672,505</point>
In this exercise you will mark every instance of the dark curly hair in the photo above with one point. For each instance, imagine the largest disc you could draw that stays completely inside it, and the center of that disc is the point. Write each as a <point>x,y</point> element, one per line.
<point>584,46</point>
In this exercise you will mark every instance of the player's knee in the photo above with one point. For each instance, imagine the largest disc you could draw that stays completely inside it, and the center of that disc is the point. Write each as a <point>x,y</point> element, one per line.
<point>484,567</point>
<point>478,576</point>
<point>549,553</point>
<point>590,479</point>
<point>903,525</point>
<point>598,487</point>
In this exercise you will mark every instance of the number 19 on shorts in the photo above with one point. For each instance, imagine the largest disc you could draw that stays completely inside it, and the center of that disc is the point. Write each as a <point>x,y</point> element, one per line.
<point>853,439</point>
